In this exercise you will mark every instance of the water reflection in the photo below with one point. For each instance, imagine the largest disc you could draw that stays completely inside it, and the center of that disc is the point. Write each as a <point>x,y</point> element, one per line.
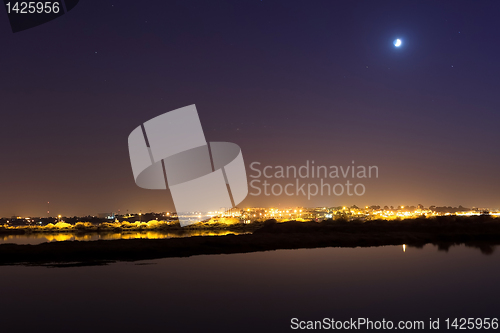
<point>253,292</point>
<point>38,238</point>
<point>486,248</point>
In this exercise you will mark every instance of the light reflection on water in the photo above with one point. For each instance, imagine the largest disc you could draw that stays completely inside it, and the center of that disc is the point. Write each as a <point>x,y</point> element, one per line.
<point>254,292</point>
<point>38,238</point>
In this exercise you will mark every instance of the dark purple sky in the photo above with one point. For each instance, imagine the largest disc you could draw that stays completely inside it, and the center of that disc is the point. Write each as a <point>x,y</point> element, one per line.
<point>288,81</point>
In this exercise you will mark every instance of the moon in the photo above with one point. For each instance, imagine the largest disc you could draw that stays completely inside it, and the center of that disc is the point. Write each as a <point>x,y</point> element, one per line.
<point>397,42</point>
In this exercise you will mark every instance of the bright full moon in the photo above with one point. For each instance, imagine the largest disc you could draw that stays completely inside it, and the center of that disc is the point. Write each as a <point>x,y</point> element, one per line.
<point>397,42</point>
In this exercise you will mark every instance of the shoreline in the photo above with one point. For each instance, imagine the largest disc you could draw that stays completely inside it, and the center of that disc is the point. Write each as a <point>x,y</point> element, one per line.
<point>107,228</point>
<point>482,232</point>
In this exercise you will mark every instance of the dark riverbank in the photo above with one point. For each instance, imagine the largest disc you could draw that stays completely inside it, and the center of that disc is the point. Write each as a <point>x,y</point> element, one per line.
<point>482,232</point>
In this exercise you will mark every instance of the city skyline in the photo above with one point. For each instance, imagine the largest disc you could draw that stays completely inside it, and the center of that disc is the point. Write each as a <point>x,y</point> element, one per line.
<point>415,210</point>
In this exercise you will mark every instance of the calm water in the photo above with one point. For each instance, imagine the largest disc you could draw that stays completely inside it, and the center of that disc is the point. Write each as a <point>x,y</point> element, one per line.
<point>254,292</point>
<point>37,238</point>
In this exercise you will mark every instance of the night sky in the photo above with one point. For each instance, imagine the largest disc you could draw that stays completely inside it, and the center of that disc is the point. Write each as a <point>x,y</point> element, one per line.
<point>288,81</point>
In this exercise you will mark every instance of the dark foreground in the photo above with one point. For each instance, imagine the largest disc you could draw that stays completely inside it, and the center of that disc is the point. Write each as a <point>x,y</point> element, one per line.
<point>482,232</point>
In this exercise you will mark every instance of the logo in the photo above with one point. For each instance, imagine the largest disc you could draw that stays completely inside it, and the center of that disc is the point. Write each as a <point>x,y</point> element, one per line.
<point>170,151</point>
